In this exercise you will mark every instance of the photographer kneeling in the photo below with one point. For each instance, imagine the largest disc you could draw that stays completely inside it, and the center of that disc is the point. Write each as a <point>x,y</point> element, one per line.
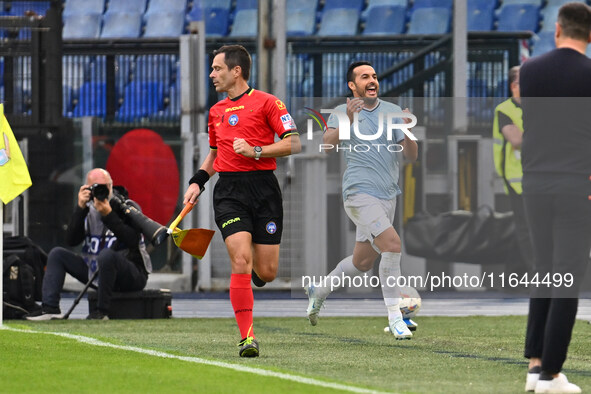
<point>112,244</point>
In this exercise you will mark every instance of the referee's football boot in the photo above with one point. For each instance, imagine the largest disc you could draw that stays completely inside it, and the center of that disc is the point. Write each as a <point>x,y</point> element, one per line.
<point>258,282</point>
<point>249,347</point>
<point>410,324</point>
<point>314,305</point>
<point>399,329</point>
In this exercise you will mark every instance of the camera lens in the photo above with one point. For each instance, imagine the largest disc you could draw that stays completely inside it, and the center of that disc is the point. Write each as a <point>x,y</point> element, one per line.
<point>99,191</point>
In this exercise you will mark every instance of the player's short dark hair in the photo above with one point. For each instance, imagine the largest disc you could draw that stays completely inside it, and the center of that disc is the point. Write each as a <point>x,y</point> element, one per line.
<point>236,55</point>
<point>513,74</point>
<point>353,66</point>
<point>575,20</point>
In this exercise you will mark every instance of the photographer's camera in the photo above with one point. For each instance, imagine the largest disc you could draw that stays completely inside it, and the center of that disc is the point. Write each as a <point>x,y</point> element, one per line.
<point>99,191</point>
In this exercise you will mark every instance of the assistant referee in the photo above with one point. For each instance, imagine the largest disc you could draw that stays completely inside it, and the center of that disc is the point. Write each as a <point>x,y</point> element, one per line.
<point>247,197</point>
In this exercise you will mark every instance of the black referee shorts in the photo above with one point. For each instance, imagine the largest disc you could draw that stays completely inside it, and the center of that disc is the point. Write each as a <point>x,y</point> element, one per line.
<point>249,201</point>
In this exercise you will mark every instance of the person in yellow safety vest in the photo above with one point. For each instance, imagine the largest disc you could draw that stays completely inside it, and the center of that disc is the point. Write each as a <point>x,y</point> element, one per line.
<point>507,138</point>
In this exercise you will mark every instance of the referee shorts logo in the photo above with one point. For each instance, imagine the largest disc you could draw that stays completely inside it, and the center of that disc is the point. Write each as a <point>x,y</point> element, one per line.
<point>271,227</point>
<point>230,222</point>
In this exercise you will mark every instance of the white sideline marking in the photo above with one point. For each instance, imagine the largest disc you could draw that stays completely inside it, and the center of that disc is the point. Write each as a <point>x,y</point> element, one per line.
<point>197,360</point>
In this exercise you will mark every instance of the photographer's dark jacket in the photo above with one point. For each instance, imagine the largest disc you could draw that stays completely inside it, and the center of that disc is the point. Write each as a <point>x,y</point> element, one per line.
<point>113,231</point>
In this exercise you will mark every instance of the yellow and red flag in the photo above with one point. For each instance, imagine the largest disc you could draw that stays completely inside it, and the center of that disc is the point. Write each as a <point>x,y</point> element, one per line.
<point>14,174</point>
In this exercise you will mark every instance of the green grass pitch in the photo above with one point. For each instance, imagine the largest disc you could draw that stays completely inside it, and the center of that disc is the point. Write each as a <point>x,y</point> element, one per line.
<point>446,355</point>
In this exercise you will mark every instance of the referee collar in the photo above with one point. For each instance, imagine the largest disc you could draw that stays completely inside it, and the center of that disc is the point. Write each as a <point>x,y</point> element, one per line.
<point>239,97</point>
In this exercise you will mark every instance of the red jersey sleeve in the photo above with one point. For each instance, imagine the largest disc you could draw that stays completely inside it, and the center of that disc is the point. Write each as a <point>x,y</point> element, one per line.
<point>211,124</point>
<point>279,120</point>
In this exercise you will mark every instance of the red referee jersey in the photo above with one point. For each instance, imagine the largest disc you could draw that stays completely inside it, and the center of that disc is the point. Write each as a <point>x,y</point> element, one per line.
<point>255,116</point>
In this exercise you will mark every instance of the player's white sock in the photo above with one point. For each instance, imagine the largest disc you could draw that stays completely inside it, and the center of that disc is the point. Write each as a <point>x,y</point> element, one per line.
<point>344,267</point>
<point>389,273</point>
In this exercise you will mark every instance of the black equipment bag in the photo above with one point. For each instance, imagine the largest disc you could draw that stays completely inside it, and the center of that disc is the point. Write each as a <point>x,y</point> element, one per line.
<point>22,276</point>
<point>481,237</point>
<point>144,304</point>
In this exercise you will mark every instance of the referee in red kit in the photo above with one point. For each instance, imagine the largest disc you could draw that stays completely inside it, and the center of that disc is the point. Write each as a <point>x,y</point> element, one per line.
<point>247,197</point>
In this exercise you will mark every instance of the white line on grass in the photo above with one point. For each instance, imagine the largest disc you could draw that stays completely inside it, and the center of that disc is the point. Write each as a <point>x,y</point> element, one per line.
<point>197,360</point>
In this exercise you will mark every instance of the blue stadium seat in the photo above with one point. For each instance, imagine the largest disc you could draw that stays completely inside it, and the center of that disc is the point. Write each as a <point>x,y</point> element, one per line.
<point>127,6</point>
<point>543,43</point>
<point>154,68</point>
<point>293,5</point>
<point>207,4</point>
<point>339,22</point>
<point>83,7</point>
<point>383,20</point>
<point>168,24</point>
<point>92,100</point>
<point>430,21</point>
<point>216,22</point>
<point>377,3</point>
<point>121,25</point>
<point>552,3</point>
<point>245,23</point>
<point>515,17</point>
<point>164,6</point>
<point>196,13</point>
<point>549,17</point>
<point>81,26</point>
<point>140,100</point>
<point>480,19</point>
<point>301,22</point>
<point>477,87</point>
<point>349,4</point>
<point>20,7</point>
<point>482,4</point>
<point>432,4</point>
<point>537,3</point>
<point>246,5</point>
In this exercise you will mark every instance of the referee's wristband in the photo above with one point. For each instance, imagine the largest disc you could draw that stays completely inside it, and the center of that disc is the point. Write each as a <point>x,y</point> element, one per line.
<point>200,178</point>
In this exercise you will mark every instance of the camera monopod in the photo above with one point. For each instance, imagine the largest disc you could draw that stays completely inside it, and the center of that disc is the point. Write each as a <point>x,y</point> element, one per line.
<point>79,297</point>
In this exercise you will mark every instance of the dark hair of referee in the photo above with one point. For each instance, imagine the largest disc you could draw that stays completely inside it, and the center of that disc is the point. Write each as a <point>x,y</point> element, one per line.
<point>236,55</point>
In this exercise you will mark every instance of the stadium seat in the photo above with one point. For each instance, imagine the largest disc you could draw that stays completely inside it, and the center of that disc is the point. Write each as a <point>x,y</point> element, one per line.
<point>141,99</point>
<point>246,5</point>
<point>339,22</point>
<point>383,20</point>
<point>216,22</point>
<point>549,17</point>
<point>301,22</point>
<point>559,3</point>
<point>121,25</point>
<point>245,23</point>
<point>131,6</point>
<point>432,4</point>
<point>480,19</point>
<point>544,42</point>
<point>537,3</point>
<point>20,7</point>
<point>376,3</point>
<point>348,4</point>
<point>477,87</point>
<point>154,68</point>
<point>515,17</point>
<point>83,26</point>
<point>164,6</point>
<point>168,24</point>
<point>92,100</point>
<point>294,5</point>
<point>482,4</point>
<point>430,21</point>
<point>83,7</point>
<point>207,4</point>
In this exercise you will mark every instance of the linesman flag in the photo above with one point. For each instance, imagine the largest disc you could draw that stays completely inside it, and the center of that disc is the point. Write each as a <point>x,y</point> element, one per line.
<point>14,174</point>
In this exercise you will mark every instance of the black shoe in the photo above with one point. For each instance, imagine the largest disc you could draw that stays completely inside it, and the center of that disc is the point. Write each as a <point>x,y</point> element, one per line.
<point>97,315</point>
<point>258,282</point>
<point>45,313</point>
<point>249,347</point>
